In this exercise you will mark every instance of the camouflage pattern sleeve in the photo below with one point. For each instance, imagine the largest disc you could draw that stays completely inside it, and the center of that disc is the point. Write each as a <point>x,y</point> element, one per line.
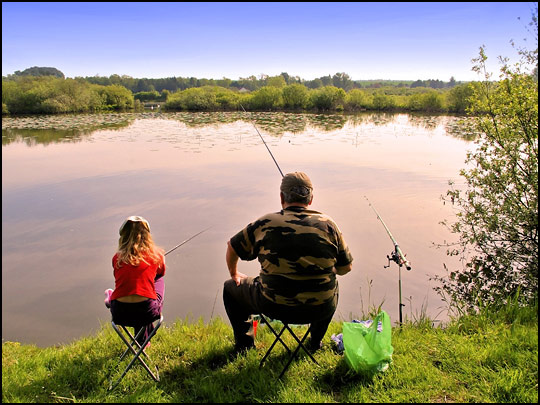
<point>344,256</point>
<point>244,243</point>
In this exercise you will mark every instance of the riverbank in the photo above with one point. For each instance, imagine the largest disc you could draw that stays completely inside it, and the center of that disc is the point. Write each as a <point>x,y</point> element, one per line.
<point>482,358</point>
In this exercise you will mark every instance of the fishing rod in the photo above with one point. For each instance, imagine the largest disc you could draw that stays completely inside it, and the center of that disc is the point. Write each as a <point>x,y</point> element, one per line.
<point>395,256</point>
<point>264,144</point>
<point>186,241</point>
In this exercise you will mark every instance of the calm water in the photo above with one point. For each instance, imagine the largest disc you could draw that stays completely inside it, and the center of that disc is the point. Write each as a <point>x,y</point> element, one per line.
<point>68,183</point>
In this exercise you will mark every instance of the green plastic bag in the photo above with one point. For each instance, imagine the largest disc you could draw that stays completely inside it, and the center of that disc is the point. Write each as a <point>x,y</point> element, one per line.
<point>368,349</point>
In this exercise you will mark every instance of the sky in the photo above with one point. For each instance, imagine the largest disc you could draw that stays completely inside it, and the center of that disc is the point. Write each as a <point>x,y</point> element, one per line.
<point>215,40</point>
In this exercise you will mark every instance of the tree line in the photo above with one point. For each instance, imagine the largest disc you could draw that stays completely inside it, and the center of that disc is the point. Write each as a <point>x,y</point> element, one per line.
<point>340,80</point>
<point>45,90</point>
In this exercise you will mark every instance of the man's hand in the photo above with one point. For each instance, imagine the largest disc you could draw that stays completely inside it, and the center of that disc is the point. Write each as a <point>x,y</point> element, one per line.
<point>238,277</point>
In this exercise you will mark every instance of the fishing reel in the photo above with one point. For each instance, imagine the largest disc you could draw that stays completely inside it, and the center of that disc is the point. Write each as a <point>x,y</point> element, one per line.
<point>399,258</point>
<point>393,257</point>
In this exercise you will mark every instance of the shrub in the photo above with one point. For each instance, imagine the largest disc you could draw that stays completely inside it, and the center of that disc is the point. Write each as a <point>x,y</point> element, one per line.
<point>328,98</point>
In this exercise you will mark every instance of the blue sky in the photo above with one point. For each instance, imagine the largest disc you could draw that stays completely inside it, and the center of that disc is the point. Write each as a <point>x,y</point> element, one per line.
<point>368,41</point>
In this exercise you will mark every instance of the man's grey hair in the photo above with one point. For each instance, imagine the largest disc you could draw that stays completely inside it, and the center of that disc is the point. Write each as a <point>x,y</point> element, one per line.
<point>298,194</point>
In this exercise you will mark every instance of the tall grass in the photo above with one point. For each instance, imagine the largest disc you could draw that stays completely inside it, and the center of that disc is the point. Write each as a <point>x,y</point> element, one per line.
<point>487,357</point>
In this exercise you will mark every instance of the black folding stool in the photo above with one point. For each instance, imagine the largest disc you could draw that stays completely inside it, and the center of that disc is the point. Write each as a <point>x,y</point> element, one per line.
<point>292,354</point>
<point>131,345</point>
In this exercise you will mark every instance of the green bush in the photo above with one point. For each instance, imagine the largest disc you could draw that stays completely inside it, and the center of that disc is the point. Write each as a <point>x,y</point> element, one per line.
<point>117,97</point>
<point>328,98</point>
<point>358,100</point>
<point>383,102</point>
<point>226,99</point>
<point>193,99</point>
<point>147,95</point>
<point>295,96</point>
<point>48,94</point>
<point>267,98</point>
<point>458,98</point>
<point>431,101</point>
<point>206,98</point>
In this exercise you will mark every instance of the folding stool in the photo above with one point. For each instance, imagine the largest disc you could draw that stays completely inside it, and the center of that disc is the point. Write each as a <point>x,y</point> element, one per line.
<point>292,354</point>
<point>131,345</point>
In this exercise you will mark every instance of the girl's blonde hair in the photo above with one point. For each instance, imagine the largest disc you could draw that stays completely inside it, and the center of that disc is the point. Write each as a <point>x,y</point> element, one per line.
<point>136,243</point>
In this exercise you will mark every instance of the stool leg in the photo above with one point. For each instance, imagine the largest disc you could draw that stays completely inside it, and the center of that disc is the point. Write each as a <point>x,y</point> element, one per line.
<point>137,353</point>
<point>300,345</point>
<point>278,338</point>
<point>133,341</point>
<point>278,335</point>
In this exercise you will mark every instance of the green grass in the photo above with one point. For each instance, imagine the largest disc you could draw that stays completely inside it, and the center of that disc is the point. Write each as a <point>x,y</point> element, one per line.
<point>491,357</point>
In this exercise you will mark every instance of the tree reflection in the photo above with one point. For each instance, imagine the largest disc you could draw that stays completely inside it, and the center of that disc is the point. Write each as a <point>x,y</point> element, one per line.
<point>46,129</point>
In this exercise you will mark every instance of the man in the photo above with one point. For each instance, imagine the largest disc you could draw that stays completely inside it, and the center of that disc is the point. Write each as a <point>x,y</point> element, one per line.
<point>301,251</point>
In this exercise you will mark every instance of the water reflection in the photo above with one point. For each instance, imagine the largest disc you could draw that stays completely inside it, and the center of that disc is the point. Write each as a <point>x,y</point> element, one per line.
<point>62,205</point>
<point>72,128</point>
<point>46,129</point>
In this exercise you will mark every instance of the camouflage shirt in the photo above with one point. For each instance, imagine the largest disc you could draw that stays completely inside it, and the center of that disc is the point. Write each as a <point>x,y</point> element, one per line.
<point>297,249</point>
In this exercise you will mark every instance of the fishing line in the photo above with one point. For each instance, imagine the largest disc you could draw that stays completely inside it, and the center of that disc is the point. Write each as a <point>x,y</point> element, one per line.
<point>213,306</point>
<point>186,241</point>
<point>264,143</point>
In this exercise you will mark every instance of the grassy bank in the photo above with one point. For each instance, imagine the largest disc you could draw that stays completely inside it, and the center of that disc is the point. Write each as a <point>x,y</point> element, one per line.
<point>483,358</point>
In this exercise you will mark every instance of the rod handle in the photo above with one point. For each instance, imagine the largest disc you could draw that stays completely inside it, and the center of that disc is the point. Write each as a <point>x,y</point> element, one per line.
<point>403,260</point>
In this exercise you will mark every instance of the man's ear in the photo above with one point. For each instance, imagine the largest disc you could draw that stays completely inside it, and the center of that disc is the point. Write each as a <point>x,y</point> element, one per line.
<point>282,198</point>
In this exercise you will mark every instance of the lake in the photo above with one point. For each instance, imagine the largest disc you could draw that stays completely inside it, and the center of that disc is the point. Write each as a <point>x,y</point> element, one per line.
<point>68,182</point>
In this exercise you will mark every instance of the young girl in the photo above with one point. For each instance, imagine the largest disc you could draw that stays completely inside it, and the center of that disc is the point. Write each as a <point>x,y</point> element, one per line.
<point>138,268</point>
